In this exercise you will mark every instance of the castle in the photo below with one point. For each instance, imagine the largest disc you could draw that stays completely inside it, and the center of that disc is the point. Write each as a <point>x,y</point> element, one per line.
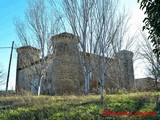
<point>63,70</point>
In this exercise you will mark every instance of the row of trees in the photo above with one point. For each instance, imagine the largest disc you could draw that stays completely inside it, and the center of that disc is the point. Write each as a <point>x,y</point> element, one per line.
<point>101,27</point>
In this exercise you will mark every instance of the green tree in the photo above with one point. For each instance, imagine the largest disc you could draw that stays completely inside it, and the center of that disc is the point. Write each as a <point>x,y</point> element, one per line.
<point>152,22</point>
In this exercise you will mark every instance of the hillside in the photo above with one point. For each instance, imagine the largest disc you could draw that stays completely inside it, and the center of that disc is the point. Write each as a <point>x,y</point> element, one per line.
<point>135,106</point>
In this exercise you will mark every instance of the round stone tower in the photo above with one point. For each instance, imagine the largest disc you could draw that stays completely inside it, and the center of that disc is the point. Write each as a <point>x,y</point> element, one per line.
<point>127,61</point>
<point>27,56</point>
<point>67,74</point>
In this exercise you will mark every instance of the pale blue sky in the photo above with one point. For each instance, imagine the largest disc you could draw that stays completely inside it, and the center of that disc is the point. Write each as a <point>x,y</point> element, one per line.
<point>8,10</point>
<point>15,8</point>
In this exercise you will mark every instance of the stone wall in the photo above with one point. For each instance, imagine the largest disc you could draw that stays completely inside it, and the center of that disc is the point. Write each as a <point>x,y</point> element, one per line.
<point>146,84</point>
<point>64,69</point>
<point>119,73</point>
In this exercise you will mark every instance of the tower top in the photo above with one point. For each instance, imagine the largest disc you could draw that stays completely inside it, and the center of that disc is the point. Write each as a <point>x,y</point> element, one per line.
<point>64,37</point>
<point>28,47</point>
<point>125,53</point>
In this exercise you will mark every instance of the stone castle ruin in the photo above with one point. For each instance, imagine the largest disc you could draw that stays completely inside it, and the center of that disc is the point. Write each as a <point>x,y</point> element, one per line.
<point>63,69</point>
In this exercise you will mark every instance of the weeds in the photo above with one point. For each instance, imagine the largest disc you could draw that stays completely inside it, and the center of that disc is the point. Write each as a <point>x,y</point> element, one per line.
<point>74,107</point>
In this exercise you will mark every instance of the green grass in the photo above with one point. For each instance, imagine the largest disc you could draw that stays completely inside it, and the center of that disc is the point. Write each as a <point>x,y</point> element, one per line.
<point>79,107</point>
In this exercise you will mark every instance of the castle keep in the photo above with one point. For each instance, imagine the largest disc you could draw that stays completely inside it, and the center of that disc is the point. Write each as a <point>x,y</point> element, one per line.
<point>66,67</point>
<point>63,69</point>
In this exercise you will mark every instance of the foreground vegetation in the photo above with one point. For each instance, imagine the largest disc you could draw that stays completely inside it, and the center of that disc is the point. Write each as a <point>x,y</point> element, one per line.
<point>79,107</point>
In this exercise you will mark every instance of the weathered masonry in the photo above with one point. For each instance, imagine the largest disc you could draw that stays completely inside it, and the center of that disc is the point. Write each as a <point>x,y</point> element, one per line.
<point>67,73</point>
<point>63,69</point>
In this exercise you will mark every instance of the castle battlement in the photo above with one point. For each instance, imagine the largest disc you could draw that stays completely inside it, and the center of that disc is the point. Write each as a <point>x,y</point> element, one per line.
<point>64,37</point>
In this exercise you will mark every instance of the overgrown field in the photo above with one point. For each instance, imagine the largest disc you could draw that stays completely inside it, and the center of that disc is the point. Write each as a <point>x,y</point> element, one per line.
<point>141,105</point>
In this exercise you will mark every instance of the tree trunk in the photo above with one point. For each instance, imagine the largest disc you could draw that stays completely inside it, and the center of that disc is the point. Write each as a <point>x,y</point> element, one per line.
<point>102,79</point>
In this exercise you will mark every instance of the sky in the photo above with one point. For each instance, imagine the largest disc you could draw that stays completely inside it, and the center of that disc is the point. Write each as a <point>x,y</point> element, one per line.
<point>9,9</point>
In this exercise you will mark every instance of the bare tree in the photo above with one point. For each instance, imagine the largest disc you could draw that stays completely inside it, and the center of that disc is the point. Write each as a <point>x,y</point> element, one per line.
<point>79,15</point>
<point>97,23</point>
<point>36,30</point>
<point>101,30</point>
<point>110,29</point>
<point>2,75</point>
<point>105,34</point>
<point>152,62</point>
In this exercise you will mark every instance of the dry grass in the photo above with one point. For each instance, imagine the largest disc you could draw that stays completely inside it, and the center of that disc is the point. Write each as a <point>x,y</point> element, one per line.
<point>29,107</point>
